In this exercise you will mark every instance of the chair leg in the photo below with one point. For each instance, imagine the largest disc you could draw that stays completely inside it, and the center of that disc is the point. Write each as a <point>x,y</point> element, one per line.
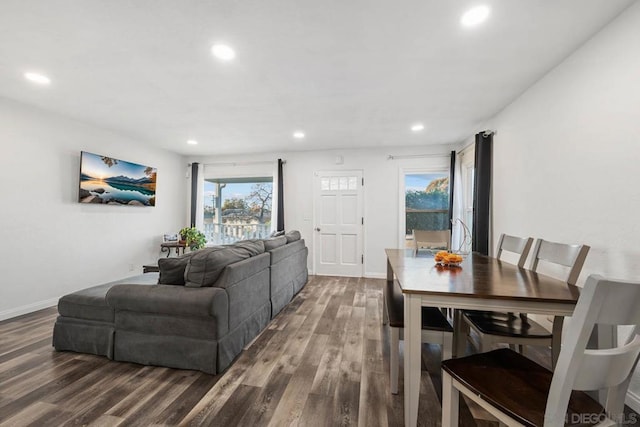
<point>556,337</point>
<point>450,402</point>
<point>447,346</point>
<point>461,333</point>
<point>485,343</point>
<point>394,364</point>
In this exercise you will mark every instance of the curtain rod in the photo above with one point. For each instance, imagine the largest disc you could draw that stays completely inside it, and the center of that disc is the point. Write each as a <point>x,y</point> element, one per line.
<point>415,156</point>
<point>257,162</point>
<point>465,148</point>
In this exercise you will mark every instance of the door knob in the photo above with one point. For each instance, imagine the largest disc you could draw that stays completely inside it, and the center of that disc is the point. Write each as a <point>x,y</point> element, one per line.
<point>317,229</point>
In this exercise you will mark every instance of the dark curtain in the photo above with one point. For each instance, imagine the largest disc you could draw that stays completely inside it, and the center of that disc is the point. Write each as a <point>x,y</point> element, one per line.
<point>280,223</point>
<point>452,174</point>
<point>194,192</point>
<point>482,193</point>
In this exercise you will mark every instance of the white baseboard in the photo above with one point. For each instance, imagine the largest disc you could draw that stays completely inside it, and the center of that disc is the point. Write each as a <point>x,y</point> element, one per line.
<point>29,308</point>
<point>633,401</point>
<point>370,275</point>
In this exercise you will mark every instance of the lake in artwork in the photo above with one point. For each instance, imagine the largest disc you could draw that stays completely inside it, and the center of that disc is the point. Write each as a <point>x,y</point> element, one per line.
<point>105,180</point>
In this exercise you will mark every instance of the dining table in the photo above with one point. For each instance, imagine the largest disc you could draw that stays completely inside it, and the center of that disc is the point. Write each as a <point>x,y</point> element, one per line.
<point>479,282</point>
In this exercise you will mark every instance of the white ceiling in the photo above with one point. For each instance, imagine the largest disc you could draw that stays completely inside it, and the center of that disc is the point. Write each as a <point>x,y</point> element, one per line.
<point>352,73</point>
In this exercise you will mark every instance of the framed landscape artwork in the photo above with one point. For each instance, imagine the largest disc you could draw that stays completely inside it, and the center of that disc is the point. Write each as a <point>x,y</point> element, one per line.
<point>105,180</point>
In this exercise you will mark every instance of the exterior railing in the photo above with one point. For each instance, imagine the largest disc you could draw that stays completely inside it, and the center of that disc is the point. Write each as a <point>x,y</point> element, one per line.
<point>426,219</point>
<point>219,234</point>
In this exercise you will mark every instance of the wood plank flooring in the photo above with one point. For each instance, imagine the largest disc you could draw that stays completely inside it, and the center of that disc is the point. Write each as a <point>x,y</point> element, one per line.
<point>323,361</point>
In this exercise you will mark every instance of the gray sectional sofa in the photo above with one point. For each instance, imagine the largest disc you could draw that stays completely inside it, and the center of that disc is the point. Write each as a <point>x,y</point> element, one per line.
<point>198,312</point>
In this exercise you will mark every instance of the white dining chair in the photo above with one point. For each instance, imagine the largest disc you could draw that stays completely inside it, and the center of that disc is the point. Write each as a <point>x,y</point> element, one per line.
<point>519,392</point>
<point>517,328</point>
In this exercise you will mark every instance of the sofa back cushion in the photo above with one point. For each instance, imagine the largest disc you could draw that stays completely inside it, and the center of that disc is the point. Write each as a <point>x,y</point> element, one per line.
<point>206,265</point>
<point>292,236</point>
<point>284,252</point>
<point>172,269</point>
<point>274,242</point>
<point>252,247</point>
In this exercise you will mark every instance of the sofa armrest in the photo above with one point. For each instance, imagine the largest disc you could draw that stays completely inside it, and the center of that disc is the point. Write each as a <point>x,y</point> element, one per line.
<point>173,301</point>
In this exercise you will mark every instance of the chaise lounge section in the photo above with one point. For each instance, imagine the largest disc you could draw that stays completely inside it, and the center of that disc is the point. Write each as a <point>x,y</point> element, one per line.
<point>198,312</point>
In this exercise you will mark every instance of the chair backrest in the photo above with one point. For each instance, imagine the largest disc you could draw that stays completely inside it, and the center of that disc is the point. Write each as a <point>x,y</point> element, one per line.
<point>433,238</point>
<point>601,301</point>
<point>572,256</point>
<point>517,245</point>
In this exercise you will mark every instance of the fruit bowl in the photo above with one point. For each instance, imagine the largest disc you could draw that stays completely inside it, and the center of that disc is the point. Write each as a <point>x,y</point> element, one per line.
<point>447,258</point>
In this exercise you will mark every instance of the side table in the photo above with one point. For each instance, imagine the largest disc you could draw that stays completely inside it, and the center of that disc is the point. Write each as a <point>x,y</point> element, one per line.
<point>167,246</point>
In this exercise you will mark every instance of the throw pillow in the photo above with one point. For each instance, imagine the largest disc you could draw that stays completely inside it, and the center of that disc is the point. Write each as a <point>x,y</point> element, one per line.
<point>292,236</point>
<point>172,269</point>
<point>277,233</point>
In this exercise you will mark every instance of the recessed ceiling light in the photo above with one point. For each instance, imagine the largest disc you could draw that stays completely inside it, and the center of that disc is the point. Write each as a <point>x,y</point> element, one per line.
<point>475,16</point>
<point>40,79</point>
<point>192,142</point>
<point>223,52</point>
<point>298,134</point>
<point>417,127</point>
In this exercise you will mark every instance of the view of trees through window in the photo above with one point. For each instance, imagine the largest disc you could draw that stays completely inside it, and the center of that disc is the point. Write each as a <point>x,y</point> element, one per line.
<point>426,201</point>
<point>237,209</point>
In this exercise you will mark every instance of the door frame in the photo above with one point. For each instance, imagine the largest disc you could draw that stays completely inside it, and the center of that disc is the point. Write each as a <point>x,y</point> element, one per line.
<point>316,194</point>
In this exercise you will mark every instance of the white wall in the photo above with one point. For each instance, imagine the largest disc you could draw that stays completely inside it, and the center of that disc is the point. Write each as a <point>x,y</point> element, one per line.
<point>381,191</point>
<point>51,244</point>
<point>567,155</point>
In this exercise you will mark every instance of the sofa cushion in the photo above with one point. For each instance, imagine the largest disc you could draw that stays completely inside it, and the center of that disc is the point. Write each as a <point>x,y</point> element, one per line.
<point>236,272</point>
<point>204,266</point>
<point>274,242</point>
<point>88,304</point>
<point>91,303</point>
<point>284,252</point>
<point>172,269</point>
<point>253,247</point>
<point>172,300</point>
<point>292,236</point>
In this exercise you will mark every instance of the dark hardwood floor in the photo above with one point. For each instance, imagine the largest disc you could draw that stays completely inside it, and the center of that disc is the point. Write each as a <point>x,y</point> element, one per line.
<point>324,361</point>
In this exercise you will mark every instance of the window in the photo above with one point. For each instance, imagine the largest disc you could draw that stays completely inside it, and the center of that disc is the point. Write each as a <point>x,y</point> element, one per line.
<point>237,209</point>
<point>426,201</point>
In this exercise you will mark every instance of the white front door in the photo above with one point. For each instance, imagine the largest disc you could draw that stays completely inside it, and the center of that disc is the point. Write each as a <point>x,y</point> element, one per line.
<point>338,223</point>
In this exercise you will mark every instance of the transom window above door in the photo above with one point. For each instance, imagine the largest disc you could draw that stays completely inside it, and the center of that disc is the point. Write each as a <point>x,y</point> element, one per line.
<point>338,183</point>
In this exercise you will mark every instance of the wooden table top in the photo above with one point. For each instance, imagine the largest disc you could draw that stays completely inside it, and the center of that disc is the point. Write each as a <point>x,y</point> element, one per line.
<point>478,276</point>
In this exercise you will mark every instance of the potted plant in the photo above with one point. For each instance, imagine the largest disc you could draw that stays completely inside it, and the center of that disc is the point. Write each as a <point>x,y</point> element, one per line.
<point>193,238</point>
